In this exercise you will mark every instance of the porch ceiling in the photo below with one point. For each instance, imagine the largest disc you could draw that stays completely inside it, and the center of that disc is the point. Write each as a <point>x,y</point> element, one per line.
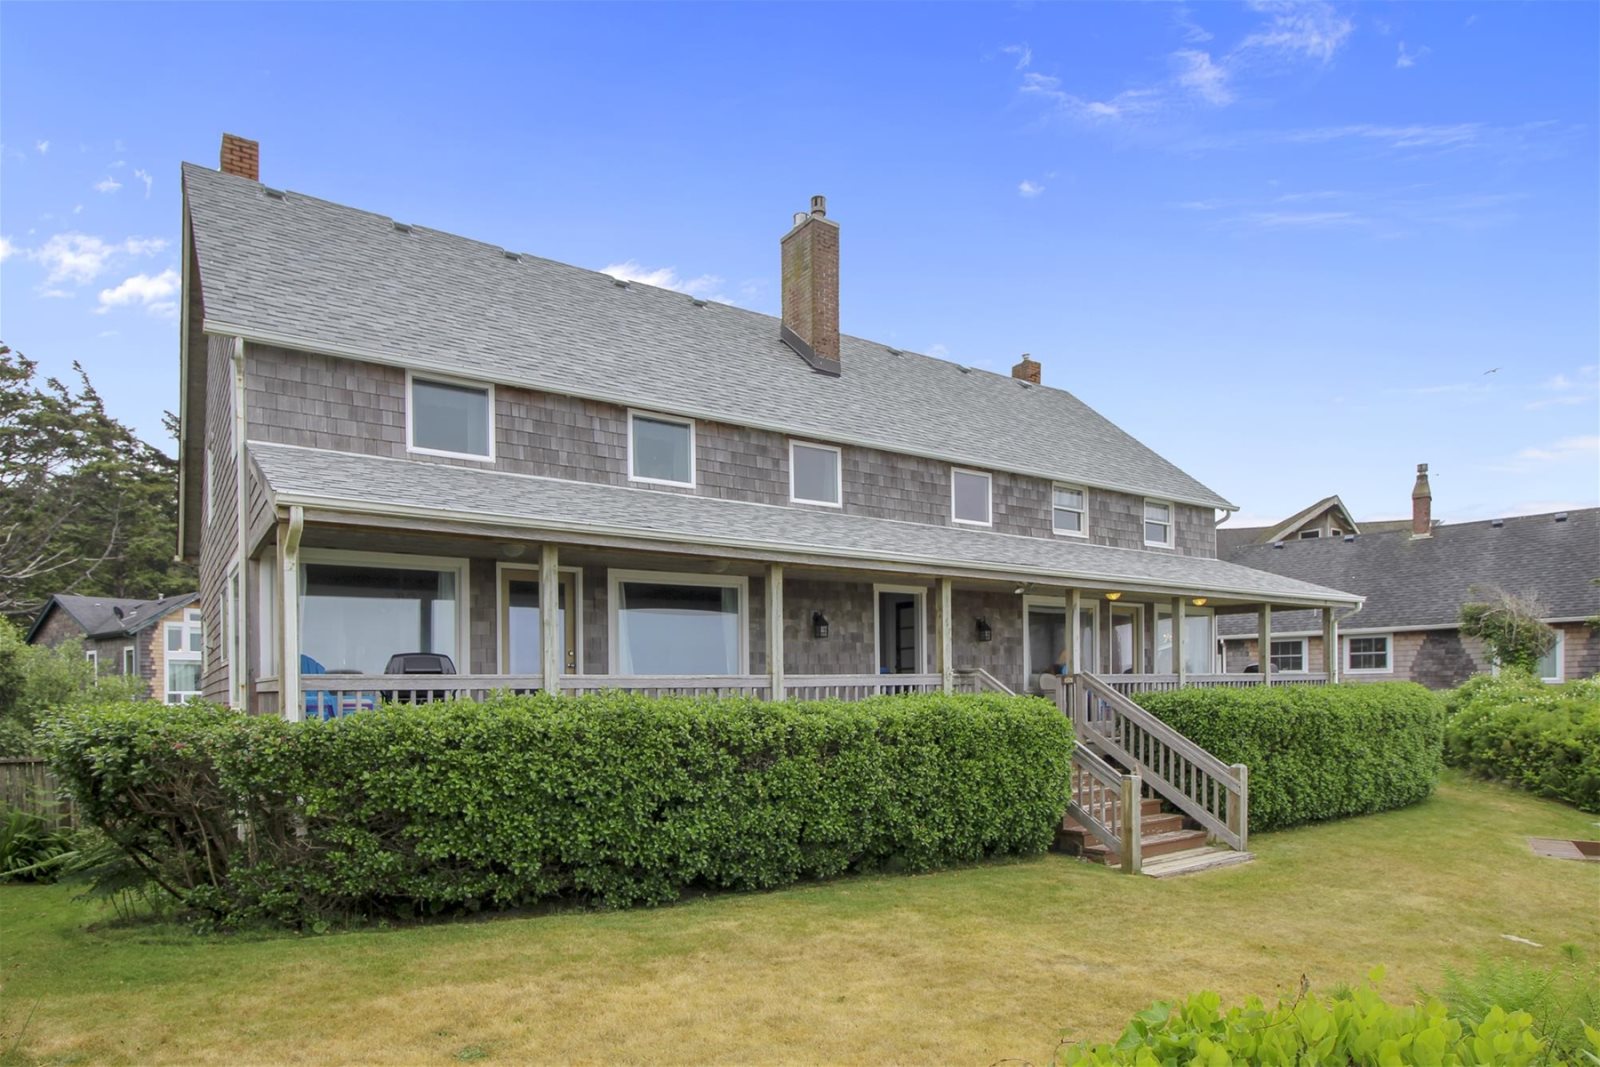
<point>400,493</point>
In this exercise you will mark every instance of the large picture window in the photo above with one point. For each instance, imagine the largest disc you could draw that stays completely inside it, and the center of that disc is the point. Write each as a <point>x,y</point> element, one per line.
<point>970,501</point>
<point>814,474</point>
<point>675,624</point>
<point>1367,654</point>
<point>660,449</point>
<point>356,613</point>
<point>451,418</point>
<point>181,650</point>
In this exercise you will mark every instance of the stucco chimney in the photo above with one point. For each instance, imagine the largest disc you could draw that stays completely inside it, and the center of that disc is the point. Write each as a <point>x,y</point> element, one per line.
<point>241,156</point>
<point>811,287</point>
<point>1028,369</point>
<point>1421,504</point>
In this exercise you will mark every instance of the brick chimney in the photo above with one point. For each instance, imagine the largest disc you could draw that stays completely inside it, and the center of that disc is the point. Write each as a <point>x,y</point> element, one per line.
<point>241,156</point>
<point>1422,504</point>
<point>811,287</point>
<point>1027,370</point>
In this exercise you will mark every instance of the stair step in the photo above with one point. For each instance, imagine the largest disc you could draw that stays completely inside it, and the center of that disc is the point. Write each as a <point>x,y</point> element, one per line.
<point>1192,861</point>
<point>1152,845</point>
<point>1149,808</point>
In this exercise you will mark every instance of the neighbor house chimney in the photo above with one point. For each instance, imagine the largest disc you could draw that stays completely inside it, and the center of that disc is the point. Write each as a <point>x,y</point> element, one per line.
<point>241,156</point>
<point>1027,370</point>
<point>1422,504</point>
<point>811,287</point>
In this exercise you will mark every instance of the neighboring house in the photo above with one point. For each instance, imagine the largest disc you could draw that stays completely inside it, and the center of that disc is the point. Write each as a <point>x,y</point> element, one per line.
<point>395,440</point>
<point>1415,576</point>
<point>156,640</point>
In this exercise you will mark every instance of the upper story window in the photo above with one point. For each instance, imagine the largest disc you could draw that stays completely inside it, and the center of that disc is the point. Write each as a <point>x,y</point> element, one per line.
<point>448,418</point>
<point>1067,511</point>
<point>970,497</point>
<point>1368,654</point>
<point>1310,535</point>
<point>660,449</point>
<point>814,474</point>
<point>1157,524</point>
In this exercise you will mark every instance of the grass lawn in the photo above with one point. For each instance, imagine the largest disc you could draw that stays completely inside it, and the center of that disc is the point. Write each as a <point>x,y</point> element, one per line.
<point>965,966</point>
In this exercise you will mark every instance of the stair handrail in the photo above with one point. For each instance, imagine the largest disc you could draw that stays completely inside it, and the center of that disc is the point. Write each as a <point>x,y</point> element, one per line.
<point>1107,803</point>
<point>983,681</point>
<point>1213,793</point>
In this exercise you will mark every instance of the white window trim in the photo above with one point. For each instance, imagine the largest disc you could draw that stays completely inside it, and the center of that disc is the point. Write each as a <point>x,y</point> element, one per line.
<point>838,470</point>
<point>445,379</point>
<point>403,561</point>
<point>1083,512</point>
<point>191,619</point>
<point>1171,523</point>
<point>574,575</point>
<point>989,479</point>
<point>1031,670</point>
<point>1388,644</point>
<point>615,578</point>
<point>1305,654</point>
<point>266,605</point>
<point>130,661</point>
<point>694,448</point>
<point>93,656</point>
<point>921,595</point>
<point>1560,649</point>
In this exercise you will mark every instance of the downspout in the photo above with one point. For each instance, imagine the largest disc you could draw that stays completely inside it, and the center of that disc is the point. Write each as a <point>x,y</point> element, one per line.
<point>290,706</point>
<point>1227,513</point>
<point>240,654</point>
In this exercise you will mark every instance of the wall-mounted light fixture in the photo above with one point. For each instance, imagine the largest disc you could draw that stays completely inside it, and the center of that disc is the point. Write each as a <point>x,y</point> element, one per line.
<point>1113,596</point>
<point>1199,601</point>
<point>985,631</point>
<point>819,625</point>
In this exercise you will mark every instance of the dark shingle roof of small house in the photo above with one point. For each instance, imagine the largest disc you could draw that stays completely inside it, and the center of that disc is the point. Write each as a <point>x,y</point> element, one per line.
<point>1419,582</point>
<point>280,267</point>
<point>103,617</point>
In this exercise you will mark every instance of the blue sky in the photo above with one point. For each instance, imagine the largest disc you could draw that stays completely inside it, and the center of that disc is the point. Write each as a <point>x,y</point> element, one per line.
<point>1296,249</point>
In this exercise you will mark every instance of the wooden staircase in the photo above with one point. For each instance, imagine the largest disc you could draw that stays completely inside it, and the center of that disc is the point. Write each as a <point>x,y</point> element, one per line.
<point>1169,843</point>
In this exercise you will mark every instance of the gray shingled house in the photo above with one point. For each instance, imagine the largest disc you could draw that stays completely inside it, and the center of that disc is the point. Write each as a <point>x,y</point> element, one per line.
<point>403,450</point>
<point>158,641</point>
<point>1415,576</point>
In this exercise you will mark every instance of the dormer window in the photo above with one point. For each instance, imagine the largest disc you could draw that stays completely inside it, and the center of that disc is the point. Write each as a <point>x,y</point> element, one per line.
<point>1157,524</point>
<point>450,418</point>
<point>970,497</point>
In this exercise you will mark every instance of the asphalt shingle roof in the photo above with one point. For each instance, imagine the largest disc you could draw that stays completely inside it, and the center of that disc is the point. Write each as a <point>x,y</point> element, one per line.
<point>98,615</point>
<point>320,276</point>
<point>314,477</point>
<point>1424,581</point>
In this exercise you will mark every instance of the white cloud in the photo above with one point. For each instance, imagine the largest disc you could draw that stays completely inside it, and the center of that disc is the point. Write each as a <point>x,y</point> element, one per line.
<point>705,285</point>
<point>43,147</point>
<point>1192,30</point>
<point>938,351</point>
<point>1586,446</point>
<point>107,185</point>
<point>1029,189</point>
<point>7,249</point>
<point>55,294</point>
<point>1580,387</point>
<point>1023,53</point>
<point>77,209</point>
<point>1127,103</point>
<point>1198,74</point>
<point>80,258</point>
<point>1298,30</point>
<point>1289,219</point>
<point>144,176</point>
<point>1406,58</point>
<point>155,293</point>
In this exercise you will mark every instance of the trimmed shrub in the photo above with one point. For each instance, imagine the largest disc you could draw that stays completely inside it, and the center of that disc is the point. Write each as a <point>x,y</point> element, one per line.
<point>1316,752</point>
<point>1542,738</point>
<point>1353,1027</point>
<point>615,798</point>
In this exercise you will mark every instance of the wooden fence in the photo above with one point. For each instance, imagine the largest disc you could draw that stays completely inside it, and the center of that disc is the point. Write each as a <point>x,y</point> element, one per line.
<point>27,784</point>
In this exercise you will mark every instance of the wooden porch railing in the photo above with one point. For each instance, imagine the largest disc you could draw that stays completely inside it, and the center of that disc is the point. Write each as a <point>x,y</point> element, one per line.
<point>857,686</point>
<point>1214,794</point>
<point>1154,683</point>
<point>978,680</point>
<point>1108,803</point>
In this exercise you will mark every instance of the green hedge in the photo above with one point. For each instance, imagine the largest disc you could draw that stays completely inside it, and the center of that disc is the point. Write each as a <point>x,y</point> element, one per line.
<point>616,799</point>
<point>1543,738</point>
<point>1316,752</point>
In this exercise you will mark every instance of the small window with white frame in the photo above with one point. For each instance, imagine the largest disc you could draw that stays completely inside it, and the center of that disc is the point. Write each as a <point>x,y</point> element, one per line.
<point>971,497</point>
<point>93,656</point>
<point>1289,656</point>
<point>1552,666</point>
<point>130,661</point>
<point>1158,524</point>
<point>182,655</point>
<point>449,418</point>
<point>814,474</point>
<point>661,449</point>
<point>1368,654</point>
<point>1067,512</point>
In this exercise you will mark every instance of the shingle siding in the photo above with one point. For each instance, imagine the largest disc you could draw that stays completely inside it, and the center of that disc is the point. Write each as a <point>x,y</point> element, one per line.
<point>219,534</point>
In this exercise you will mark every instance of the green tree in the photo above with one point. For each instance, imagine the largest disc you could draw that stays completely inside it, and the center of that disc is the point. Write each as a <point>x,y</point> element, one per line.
<point>85,506</point>
<point>1511,627</point>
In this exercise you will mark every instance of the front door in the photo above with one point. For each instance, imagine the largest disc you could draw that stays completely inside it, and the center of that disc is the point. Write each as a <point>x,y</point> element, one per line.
<point>899,631</point>
<point>1127,638</point>
<point>519,622</point>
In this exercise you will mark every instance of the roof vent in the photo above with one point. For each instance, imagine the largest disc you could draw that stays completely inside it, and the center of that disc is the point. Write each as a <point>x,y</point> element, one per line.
<point>1025,385</point>
<point>276,194</point>
<point>892,351</point>
<point>116,609</point>
<point>401,227</point>
<point>697,302</point>
<point>1561,516</point>
<point>1497,523</point>
<point>1348,538</point>
<point>512,256</point>
<point>964,370</point>
<point>1277,544</point>
<point>620,283</point>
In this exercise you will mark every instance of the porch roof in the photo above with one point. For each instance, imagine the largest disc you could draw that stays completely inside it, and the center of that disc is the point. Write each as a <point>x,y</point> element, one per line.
<point>401,489</point>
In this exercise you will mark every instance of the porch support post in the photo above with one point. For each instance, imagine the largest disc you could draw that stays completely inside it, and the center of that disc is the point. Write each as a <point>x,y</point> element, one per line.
<point>947,670</point>
<point>290,705</point>
<point>1264,642</point>
<point>1330,645</point>
<point>1074,632</point>
<point>549,618</point>
<point>1178,666</point>
<point>775,629</point>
